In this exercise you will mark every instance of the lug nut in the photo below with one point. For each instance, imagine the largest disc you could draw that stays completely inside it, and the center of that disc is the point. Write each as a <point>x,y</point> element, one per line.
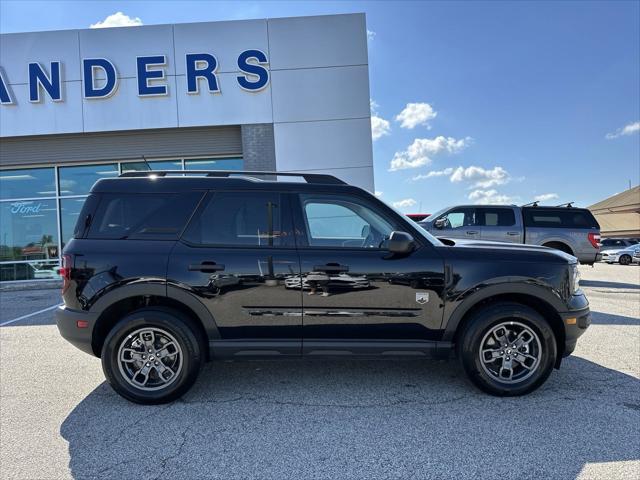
<point>148,364</point>
<point>144,357</point>
<point>156,364</point>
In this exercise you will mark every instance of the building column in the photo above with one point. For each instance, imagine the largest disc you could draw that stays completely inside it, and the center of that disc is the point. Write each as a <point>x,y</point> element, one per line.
<point>258,147</point>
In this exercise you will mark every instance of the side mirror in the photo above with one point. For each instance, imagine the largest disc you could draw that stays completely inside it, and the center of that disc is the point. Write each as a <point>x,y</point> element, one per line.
<point>440,223</point>
<point>400,242</point>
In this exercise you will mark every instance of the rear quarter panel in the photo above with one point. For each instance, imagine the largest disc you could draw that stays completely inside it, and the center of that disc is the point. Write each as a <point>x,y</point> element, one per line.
<point>103,266</point>
<point>577,239</point>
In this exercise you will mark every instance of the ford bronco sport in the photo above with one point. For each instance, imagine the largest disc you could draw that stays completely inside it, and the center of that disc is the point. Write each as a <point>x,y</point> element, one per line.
<point>167,270</point>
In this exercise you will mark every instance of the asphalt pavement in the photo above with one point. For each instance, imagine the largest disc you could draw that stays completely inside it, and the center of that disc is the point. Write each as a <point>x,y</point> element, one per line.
<point>333,419</point>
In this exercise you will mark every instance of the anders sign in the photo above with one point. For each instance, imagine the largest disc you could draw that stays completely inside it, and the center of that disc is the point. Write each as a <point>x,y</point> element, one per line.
<point>100,77</point>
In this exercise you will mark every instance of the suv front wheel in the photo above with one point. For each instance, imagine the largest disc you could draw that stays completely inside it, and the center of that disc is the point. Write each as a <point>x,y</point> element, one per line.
<point>507,349</point>
<point>151,356</point>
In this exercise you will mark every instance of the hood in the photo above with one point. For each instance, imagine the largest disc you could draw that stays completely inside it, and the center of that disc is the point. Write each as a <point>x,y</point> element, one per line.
<point>505,247</point>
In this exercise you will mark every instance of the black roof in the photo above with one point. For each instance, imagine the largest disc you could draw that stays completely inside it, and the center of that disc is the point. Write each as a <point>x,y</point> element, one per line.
<point>180,181</point>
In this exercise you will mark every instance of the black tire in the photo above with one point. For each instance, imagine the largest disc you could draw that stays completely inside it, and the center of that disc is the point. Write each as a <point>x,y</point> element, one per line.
<point>161,320</point>
<point>479,327</point>
<point>625,259</point>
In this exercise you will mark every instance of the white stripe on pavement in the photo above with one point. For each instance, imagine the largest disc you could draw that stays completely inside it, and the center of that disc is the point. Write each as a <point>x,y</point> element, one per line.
<point>29,315</point>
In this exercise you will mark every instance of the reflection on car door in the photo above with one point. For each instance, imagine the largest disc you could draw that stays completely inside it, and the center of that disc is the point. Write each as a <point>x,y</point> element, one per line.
<point>353,288</point>
<point>499,224</point>
<point>238,255</point>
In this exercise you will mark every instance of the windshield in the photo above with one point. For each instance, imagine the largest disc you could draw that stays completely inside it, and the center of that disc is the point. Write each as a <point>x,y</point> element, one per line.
<point>435,215</point>
<point>430,238</point>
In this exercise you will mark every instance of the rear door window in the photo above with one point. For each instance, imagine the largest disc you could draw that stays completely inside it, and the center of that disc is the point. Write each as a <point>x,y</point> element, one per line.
<point>240,219</point>
<point>560,218</point>
<point>496,217</point>
<point>142,217</point>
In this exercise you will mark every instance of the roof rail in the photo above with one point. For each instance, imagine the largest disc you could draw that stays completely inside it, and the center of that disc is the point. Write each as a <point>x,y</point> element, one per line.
<point>532,204</point>
<point>308,177</point>
<point>568,205</point>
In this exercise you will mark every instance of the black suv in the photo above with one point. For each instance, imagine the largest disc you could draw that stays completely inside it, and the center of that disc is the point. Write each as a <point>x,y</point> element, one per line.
<point>167,270</point>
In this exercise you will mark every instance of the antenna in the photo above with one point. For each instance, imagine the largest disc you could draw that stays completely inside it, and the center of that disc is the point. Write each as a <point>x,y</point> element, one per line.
<point>146,163</point>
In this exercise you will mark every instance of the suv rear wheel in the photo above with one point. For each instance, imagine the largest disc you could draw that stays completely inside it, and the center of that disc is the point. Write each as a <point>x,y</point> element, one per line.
<point>151,356</point>
<point>507,349</point>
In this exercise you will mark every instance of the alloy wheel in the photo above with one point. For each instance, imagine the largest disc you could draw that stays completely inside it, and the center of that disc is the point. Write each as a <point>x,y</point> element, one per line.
<point>510,352</point>
<point>150,358</point>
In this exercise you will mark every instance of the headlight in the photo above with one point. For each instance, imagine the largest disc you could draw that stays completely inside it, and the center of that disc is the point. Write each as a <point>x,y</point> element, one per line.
<point>575,278</point>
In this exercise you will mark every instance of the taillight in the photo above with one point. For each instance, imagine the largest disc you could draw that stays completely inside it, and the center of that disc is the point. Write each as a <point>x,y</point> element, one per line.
<point>594,239</point>
<point>65,272</point>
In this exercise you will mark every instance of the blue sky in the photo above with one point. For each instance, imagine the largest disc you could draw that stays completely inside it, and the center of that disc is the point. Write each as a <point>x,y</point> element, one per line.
<point>510,100</point>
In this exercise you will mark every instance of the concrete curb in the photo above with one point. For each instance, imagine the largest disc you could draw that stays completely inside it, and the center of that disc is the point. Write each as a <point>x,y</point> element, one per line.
<point>35,285</point>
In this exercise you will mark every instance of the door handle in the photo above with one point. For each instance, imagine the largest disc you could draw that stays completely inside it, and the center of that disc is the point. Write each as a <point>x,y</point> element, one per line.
<point>207,267</point>
<point>331,268</point>
<point>513,234</point>
<point>472,232</point>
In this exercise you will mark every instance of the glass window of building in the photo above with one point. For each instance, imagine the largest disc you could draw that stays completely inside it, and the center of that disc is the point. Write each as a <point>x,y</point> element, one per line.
<point>29,247</point>
<point>69,211</point>
<point>151,165</point>
<point>214,164</point>
<point>27,183</point>
<point>79,180</point>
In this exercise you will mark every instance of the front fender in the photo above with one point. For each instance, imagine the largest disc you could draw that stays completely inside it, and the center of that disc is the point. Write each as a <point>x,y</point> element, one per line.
<point>505,286</point>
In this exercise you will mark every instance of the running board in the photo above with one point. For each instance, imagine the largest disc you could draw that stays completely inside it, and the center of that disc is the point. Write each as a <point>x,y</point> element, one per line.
<point>329,348</point>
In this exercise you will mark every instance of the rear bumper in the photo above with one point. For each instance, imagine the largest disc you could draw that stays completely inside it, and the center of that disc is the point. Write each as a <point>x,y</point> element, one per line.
<point>67,322</point>
<point>589,258</point>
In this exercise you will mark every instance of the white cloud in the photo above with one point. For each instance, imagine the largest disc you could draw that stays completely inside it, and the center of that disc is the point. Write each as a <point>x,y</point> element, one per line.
<point>370,34</point>
<point>379,127</point>
<point>419,153</point>
<point>490,197</point>
<point>118,19</point>
<point>481,177</point>
<point>378,193</point>
<point>629,129</point>
<point>415,114</point>
<point>406,203</point>
<point>434,173</point>
<point>545,196</point>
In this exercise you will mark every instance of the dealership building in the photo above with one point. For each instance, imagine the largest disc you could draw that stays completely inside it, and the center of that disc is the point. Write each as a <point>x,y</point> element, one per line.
<point>286,94</point>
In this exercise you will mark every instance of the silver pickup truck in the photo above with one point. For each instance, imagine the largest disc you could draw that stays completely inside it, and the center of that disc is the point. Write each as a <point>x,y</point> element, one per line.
<point>572,230</point>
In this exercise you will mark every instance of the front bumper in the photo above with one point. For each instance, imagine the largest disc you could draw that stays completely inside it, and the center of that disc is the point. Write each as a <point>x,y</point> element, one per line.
<point>575,322</point>
<point>67,322</point>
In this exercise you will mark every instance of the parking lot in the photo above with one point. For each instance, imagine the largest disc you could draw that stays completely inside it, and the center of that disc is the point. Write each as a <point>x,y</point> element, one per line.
<point>344,418</point>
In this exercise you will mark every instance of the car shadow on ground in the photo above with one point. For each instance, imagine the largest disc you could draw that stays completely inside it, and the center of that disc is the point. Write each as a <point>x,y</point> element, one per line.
<point>601,318</point>
<point>605,284</point>
<point>358,418</point>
